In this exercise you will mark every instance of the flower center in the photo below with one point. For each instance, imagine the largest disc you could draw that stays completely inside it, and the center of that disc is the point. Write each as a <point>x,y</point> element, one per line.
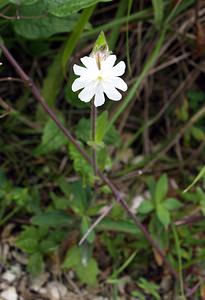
<point>100,77</point>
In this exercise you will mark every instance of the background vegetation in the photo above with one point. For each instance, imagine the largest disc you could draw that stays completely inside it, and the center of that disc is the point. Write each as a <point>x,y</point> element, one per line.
<point>150,145</point>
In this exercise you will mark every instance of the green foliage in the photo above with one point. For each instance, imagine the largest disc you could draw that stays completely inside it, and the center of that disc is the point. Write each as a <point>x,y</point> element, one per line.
<point>101,125</point>
<point>37,242</point>
<point>63,8</point>
<point>46,181</point>
<point>159,202</point>
<point>161,189</point>
<point>41,24</point>
<point>73,260</point>
<point>52,139</point>
<point>35,264</point>
<point>149,288</point>
<point>52,218</point>
<point>80,165</point>
<point>158,6</point>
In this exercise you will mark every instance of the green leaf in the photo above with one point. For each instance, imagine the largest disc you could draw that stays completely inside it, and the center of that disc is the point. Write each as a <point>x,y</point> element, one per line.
<point>35,264</point>
<point>20,196</point>
<point>103,159</point>
<point>172,204</point>
<point>52,218</point>
<point>62,8</point>
<point>60,203</point>
<point>3,3</point>
<point>197,133</point>
<point>90,268</point>
<point>163,214</point>
<point>118,226</point>
<point>149,288</point>
<point>41,24</point>
<point>81,165</point>
<point>52,139</point>
<point>82,130</point>
<point>197,178</point>
<point>158,6</point>
<point>161,188</point>
<point>79,193</point>
<point>48,245</point>
<point>110,137</point>
<point>146,207</point>
<point>72,258</point>
<point>28,240</point>
<point>101,126</point>
<point>29,245</point>
<point>138,295</point>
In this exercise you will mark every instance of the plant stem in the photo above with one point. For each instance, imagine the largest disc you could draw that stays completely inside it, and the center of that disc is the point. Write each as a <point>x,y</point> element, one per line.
<point>178,250</point>
<point>93,126</point>
<point>118,198</point>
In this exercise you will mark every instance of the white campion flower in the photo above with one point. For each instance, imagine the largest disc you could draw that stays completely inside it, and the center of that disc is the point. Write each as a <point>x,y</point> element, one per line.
<point>99,77</point>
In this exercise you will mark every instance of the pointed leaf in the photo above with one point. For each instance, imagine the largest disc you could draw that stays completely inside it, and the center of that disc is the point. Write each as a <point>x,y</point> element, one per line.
<point>163,215</point>
<point>161,188</point>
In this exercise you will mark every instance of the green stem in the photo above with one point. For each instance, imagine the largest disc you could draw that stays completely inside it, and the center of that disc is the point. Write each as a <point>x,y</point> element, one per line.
<point>178,250</point>
<point>9,215</point>
<point>127,37</point>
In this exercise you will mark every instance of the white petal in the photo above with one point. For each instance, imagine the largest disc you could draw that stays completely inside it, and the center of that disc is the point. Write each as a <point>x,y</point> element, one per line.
<point>99,96</point>
<point>109,62</point>
<point>79,70</point>
<point>119,69</point>
<point>87,93</point>
<point>78,84</point>
<point>89,62</point>
<point>119,83</point>
<point>111,91</point>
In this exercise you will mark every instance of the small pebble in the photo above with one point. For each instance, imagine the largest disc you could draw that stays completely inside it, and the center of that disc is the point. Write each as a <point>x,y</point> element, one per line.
<point>8,276</point>
<point>9,294</point>
<point>56,290</point>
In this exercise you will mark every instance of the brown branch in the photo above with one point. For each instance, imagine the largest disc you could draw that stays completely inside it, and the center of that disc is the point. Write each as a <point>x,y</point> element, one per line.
<point>118,198</point>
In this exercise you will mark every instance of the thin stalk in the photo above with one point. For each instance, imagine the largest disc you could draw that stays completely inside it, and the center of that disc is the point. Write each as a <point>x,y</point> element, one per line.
<point>178,250</point>
<point>9,215</point>
<point>93,126</point>
<point>127,37</point>
<point>99,219</point>
<point>117,195</point>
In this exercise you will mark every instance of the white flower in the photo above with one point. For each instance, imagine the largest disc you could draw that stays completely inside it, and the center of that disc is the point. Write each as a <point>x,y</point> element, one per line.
<point>99,77</point>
